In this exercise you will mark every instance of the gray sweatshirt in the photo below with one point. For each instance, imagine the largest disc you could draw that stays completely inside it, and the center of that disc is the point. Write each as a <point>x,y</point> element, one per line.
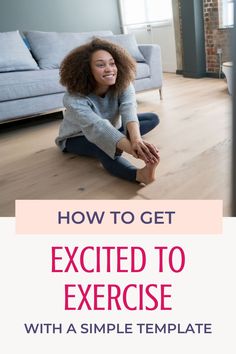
<point>98,118</point>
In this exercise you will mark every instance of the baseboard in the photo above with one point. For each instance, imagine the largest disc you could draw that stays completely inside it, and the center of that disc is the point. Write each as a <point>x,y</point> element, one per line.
<point>197,76</point>
<point>215,75</point>
<point>194,75</point>
<point>179,72</point>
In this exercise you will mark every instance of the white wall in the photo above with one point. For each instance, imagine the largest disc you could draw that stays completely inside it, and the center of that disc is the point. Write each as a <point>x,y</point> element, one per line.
<point>59,15</point>
<point>165,37</point>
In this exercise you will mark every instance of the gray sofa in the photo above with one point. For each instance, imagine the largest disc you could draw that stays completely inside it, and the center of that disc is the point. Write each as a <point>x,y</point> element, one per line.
<point>29,69</point>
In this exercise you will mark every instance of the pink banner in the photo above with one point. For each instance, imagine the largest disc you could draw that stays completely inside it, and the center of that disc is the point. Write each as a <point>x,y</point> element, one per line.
<point>119,217</point>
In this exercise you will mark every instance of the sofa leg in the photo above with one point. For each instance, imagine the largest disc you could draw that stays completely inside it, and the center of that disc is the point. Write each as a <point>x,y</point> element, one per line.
<point>160,93</point>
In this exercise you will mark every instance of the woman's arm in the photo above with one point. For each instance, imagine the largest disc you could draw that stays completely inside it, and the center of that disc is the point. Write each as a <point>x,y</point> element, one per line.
<point>140,148</point>
<point>134,143</point>
<point>125,145</point>
<point>80,117</point>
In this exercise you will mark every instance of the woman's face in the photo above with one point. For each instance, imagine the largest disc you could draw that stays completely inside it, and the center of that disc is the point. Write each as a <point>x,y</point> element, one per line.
<point>104,69</point>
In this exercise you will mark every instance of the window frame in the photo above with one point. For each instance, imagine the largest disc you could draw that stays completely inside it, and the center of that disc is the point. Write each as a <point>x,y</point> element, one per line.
<point>222,7</point>
<point>146,23</point>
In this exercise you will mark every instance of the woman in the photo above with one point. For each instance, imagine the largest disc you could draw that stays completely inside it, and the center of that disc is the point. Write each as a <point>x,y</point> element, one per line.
<point>100,118</point>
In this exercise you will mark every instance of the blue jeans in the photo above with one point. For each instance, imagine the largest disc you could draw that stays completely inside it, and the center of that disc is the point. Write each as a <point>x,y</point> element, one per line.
<point>118,167</point>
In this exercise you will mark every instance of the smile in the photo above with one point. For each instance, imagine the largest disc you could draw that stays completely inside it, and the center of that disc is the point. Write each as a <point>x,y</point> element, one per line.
<point>108,76</point>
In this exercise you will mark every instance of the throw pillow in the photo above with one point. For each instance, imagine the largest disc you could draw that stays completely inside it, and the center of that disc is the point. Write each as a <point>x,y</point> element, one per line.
<point>127,41</point>
<point>49,48</point>
<point>15,56</point>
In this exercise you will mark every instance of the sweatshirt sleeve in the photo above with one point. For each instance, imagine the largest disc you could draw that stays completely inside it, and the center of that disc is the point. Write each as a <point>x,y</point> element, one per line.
<point>128,106</point>
<point>96,129</point>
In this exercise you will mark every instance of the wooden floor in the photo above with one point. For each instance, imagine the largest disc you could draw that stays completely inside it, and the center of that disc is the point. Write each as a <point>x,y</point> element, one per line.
<point>194,139</point>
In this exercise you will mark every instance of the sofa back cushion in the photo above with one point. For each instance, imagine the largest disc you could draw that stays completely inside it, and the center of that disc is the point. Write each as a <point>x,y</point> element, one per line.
<point>15,56</point>
<point>50,48</point>
<point>127,41</point>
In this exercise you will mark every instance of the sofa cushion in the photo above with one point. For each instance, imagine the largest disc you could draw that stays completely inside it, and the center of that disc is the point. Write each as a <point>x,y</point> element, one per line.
<point>17,85</point>
<point>49,48</point>
<point>127,41</point>
<point>14,53</point>
<point>142,71</point>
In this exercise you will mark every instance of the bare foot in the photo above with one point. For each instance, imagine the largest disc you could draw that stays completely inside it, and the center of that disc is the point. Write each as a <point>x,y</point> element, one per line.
<point>146,174</point>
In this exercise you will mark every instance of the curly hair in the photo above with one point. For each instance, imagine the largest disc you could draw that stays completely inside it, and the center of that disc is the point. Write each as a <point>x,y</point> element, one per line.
<point>75,71</point>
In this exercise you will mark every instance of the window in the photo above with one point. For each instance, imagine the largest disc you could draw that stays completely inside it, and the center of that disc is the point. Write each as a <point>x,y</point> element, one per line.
<point>139,12</point>
<point>226,13</point>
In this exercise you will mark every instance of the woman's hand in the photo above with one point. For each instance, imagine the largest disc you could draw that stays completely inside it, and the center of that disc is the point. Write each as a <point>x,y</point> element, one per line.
<point>140,148</point>
<point>144,151</point>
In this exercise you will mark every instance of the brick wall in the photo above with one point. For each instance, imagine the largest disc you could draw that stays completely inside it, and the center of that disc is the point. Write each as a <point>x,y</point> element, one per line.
<point>214,37</point>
